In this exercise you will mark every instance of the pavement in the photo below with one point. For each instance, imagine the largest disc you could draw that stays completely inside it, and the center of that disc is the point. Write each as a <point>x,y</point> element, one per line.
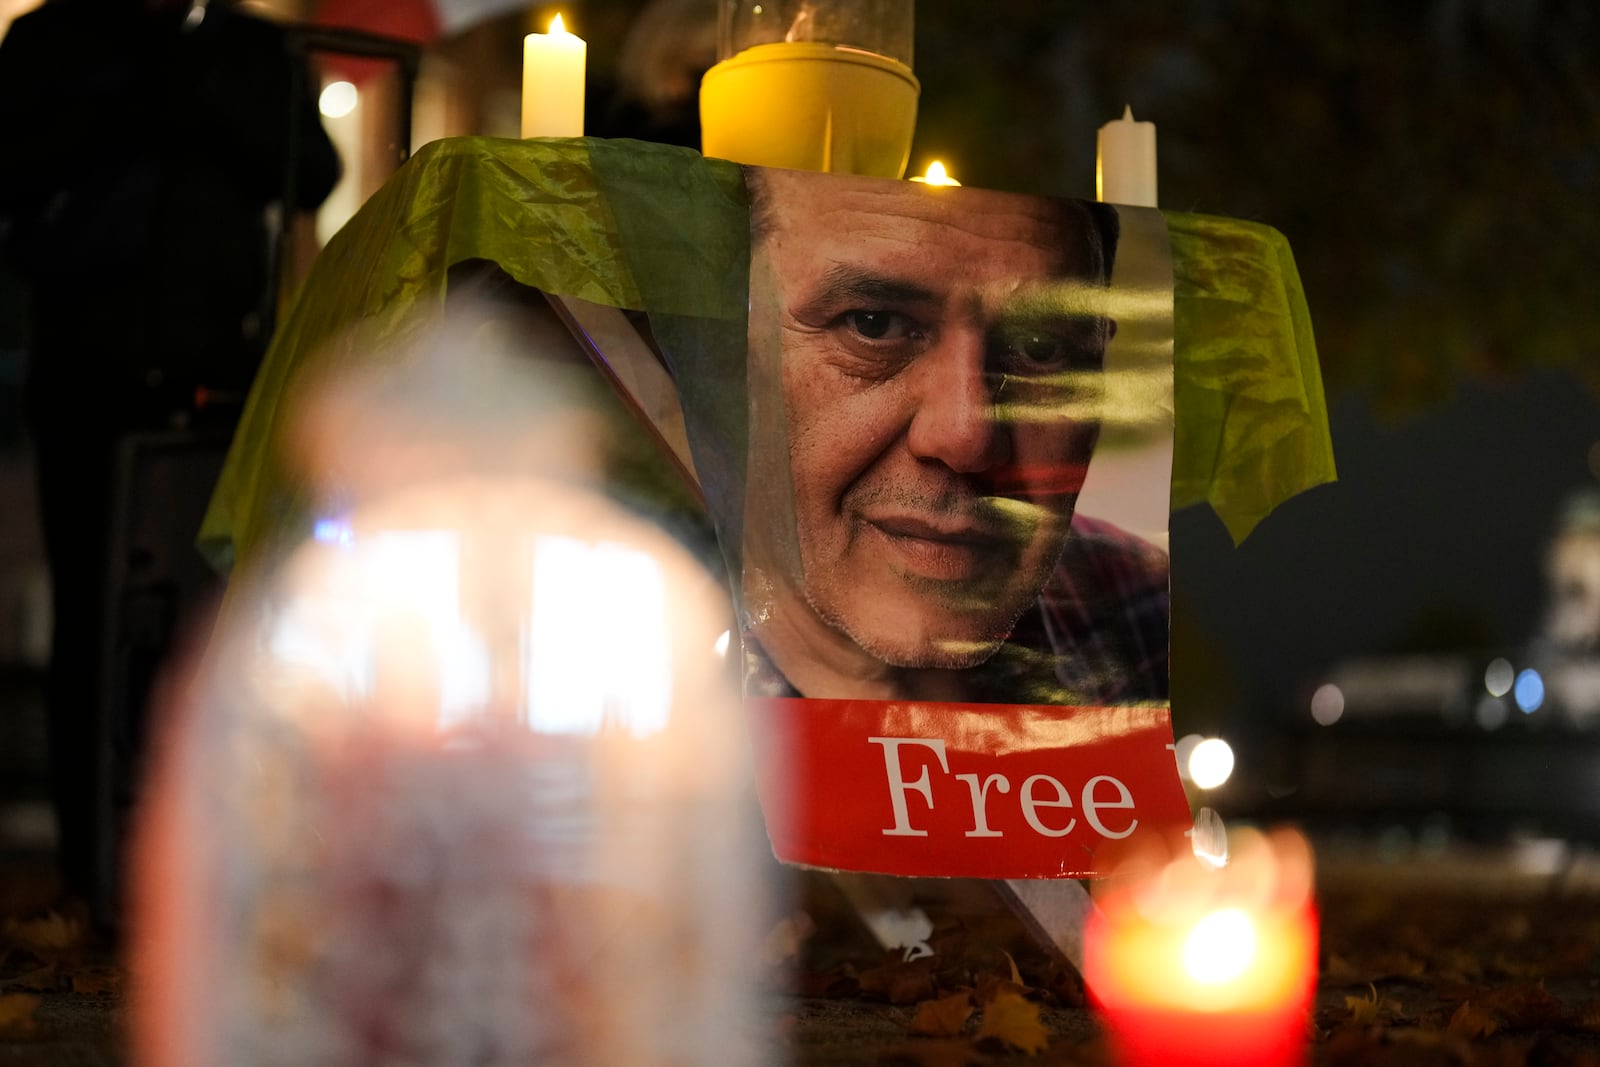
<point>1433,950</point>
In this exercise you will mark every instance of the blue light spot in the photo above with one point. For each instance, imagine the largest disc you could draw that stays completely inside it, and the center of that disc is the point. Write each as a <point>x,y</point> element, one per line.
<point>332,532</point>
<point>1529,691</point>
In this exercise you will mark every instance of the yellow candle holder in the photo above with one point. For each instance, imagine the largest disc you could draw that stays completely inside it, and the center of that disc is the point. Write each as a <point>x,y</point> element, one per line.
<point>808,105</point>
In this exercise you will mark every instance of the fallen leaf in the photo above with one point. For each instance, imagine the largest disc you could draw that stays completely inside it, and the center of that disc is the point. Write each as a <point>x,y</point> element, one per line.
<point>1013,1022</point>
<point>911,986</point>
<point>1587,1017</point>
<point>1471,1021</point>
<point>16,1015</point>
<point>44,979</point>
<point>1066,985</point>
<point>1526,1007</point>
<point>1353,1047</point>
<point>943,1017</point>
<point>52,933</point>
<point>99,980</point>
<point>1373,1009</point>
<point>991,985</point>
<point>1016,976</point>
<point>900,982</point>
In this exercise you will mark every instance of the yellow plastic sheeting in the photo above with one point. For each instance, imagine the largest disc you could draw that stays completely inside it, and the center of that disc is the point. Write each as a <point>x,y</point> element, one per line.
<point>657,228</point>
<point>1251,422</point>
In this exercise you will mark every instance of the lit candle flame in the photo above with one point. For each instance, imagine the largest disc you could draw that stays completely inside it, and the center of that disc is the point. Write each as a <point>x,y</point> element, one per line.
<point>1220,947</point>
<point>936,175</point>
<point>556,25</point>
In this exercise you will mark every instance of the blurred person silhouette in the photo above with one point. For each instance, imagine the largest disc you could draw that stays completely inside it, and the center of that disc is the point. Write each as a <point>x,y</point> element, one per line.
<point>1565,648</point>
<point>655,93</point>
<point>1572,571</point>
<point>148,144</point>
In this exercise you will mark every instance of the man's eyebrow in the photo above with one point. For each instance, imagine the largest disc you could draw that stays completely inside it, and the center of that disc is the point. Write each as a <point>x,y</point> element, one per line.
<point>844,281</point>
<point>1061,300</point>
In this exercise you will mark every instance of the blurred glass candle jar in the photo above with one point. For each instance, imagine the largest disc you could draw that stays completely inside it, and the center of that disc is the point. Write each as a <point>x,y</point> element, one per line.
<point>462,780</point>
<point>822,85</point>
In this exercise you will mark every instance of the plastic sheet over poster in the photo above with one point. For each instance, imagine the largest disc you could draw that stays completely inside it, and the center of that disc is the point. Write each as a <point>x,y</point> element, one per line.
<point>953,538</point>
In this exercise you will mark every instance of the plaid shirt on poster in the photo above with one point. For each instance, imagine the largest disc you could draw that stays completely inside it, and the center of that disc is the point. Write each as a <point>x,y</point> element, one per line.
<point>1098,634</point>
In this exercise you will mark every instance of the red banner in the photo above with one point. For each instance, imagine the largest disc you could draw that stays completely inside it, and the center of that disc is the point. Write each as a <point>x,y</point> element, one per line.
<point>962,790</point>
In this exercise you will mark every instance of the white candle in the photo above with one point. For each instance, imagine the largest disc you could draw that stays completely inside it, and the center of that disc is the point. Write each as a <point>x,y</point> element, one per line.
<point>1125,163</point>
<point>552,83</point>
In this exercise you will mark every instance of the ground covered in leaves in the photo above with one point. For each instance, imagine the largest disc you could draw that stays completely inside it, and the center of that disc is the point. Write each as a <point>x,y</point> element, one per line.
<point>1460,976</point>
<point>1464,975</point>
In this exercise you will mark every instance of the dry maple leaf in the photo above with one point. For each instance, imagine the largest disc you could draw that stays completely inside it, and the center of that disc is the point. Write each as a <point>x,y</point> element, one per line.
<point>1372,1009</point>
<point>900,982</point>
<point>1471,1021</point>
<point>990,986</point>
<point>16,1015</point>
<point>943,1017</point>
<point>1526,1007</point>
<point>1014,1022</point>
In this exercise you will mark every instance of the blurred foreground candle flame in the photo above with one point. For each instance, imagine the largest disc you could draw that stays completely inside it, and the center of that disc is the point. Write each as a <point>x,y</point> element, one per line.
<point>1195,964</point>
<point>459,781</point>
<point>1220,946</point>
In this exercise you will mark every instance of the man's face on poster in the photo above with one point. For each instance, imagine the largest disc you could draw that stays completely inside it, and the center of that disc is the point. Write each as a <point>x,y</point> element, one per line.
<point>940,360</point>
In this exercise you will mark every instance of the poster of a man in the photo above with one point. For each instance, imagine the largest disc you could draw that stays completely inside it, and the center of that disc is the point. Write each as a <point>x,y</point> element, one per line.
<point>927,391</point>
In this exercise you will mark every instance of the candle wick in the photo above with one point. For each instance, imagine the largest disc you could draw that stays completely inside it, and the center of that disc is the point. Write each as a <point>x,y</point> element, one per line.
<point>1127,112</point>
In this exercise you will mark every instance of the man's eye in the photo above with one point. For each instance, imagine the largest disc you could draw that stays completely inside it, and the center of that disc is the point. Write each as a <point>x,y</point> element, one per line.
<point>879,325</point>
<point>1037,349</point>
<point>1072,344</point>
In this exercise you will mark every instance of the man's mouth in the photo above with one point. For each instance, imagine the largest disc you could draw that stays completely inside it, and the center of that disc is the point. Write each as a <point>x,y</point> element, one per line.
<point>945,550</point>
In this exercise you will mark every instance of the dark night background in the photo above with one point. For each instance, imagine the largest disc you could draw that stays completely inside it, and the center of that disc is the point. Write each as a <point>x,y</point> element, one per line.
<point>1434,165</point>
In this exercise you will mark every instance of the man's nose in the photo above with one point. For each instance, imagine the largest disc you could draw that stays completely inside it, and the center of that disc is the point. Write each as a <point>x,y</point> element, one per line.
<point>955,421</point>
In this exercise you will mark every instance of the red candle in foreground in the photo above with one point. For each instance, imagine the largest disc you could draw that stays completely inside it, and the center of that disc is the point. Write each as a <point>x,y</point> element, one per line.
<point>1192,967</point>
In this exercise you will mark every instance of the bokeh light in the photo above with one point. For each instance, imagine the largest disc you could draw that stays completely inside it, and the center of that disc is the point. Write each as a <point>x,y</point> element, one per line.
<point>338,99</point>
<point>1529,691</point>
<point>1327,704</point>
<point>1499,676</point>
<point>1211,763</point>
<point>1183,750</point>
